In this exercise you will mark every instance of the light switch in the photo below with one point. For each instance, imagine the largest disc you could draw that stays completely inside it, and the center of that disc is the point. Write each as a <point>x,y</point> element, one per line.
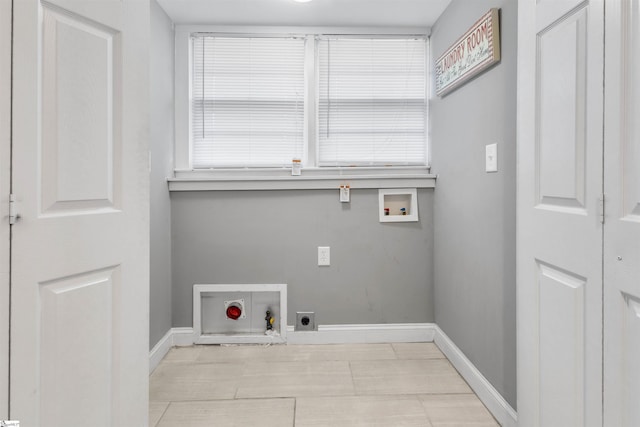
<point>491,158</point>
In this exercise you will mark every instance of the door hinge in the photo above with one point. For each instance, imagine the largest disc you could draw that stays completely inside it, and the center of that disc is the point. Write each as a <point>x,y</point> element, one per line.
<point>13,210</point>
<point>601,201</point>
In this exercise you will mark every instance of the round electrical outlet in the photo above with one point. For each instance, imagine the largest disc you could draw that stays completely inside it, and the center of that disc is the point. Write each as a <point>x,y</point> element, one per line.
<point>304,320</point>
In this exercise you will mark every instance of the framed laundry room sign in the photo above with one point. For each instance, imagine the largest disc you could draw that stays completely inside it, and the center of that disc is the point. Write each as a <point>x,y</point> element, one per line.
<point>474,52</point>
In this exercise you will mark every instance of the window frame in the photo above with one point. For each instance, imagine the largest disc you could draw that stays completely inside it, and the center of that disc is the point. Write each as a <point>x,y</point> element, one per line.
<point>364,176</point>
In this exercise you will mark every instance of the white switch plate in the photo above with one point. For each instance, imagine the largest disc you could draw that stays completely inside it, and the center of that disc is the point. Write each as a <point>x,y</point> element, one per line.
<point>491,158</point>
<point>324,255</point>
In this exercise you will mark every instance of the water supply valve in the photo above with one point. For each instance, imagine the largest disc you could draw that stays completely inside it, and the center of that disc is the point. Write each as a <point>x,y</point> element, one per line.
<point>270,320</point>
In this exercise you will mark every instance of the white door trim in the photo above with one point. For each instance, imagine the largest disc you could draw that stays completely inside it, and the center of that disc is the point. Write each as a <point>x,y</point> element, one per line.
<point>5,154</point>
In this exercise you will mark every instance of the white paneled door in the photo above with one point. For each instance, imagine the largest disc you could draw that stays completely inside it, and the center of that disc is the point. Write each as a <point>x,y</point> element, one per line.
<point>560,234</point>
<point>622,228</point>
<point>5,149</point>
<point>79,254</point>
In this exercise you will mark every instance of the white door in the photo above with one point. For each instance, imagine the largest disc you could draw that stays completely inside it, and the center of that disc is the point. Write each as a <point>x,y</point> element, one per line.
<point>5,150</point>
<point>559,240</point>
<point>622,227</point>
<point>79,300</point>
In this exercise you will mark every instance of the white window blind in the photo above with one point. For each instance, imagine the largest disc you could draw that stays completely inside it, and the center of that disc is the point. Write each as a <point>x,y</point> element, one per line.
<point>372,107</point>
<point>247,101</point>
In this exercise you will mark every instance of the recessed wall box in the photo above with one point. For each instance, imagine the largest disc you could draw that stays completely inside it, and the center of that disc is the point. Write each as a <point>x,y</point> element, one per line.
<point>235,313</point>
<point>398,205</point>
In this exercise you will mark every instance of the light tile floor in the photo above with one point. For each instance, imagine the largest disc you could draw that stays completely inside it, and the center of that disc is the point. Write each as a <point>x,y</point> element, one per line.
<point>312,385</point>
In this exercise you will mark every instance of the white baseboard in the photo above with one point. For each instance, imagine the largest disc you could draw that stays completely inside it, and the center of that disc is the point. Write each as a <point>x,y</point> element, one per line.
<point>173,337</point>
<point>326,334</point>
<point>352,334</point>
<point>183,337</point>
<point>492,399</point>
<point>160,350</point>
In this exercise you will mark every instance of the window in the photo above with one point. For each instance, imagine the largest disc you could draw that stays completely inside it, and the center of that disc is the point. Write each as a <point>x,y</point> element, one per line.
<point>372,102</point>
<point>247,104</point>
<point>331,101</point>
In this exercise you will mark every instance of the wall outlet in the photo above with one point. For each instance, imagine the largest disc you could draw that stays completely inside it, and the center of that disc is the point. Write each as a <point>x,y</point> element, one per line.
<point>324,255</point>
<point>305,321</point>
<point>491,158</point>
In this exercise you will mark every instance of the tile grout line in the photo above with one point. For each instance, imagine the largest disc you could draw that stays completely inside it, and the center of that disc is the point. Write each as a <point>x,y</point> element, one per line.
<point>395,353</point>
<point>162,416</point>
<point>424,409</point>
<point>353,381</point>
<point>244,370</point>
<point>295,409</point>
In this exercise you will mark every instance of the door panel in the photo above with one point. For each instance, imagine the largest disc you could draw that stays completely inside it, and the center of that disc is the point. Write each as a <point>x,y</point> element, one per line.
<point>76,318</point>
<point>622,237</point>
<point>81,95</point>
<point>562,330</point>
<point>622,352</point>
<point>548,11</point>
<point>559,234</point>
<point>79,342</point>
<point>629,387</point>
<point>561,114</point>
<point>630,145</point>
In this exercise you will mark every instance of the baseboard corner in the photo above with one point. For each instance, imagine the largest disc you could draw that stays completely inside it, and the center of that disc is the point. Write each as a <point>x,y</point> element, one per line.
<point>160,350</point>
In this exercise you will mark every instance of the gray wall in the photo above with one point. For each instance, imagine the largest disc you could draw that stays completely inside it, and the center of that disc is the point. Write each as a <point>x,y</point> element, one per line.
<point>161,80</point>
<point>379,273</point>
<point>474,211</point>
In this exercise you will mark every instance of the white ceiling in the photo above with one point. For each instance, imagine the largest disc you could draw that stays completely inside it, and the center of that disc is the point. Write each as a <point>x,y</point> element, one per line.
<point>333,13</point>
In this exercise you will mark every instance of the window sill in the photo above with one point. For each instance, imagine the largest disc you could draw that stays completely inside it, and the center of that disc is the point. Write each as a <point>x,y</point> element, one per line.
<point>311,179</point>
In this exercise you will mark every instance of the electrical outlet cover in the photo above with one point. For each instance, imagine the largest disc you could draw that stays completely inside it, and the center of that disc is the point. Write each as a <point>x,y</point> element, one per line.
<point>491,158</point>
<point>324,256</point>
<point>305,321</point>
